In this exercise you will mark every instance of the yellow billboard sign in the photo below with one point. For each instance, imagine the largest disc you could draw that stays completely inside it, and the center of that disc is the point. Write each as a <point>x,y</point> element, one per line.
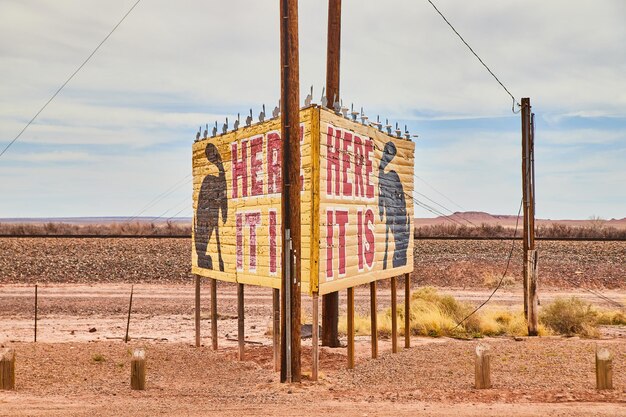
<point>356,204</point>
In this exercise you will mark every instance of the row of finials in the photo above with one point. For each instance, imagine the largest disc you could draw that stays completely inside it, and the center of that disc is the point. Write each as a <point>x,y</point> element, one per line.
<point>337,107</point>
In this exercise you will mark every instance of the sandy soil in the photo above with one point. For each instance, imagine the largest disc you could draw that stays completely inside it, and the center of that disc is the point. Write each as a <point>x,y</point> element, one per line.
<point>67,312</point>
<point>83,301</point>
<point>59,376</point>
<point>531,378</point>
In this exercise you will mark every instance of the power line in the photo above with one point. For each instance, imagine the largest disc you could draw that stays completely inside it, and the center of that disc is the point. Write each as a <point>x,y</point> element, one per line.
<point>506,269</point>
<point>445,208</point>
<point>185,201</point>
<point>476,55</point>
<point>438,192</point>
<point>69,79</point>
<point>597,294</point>
<point>155,200</point>
<point>433,210</point>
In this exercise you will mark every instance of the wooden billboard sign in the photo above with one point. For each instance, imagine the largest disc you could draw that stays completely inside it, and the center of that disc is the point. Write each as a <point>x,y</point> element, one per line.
<point>356,204</point>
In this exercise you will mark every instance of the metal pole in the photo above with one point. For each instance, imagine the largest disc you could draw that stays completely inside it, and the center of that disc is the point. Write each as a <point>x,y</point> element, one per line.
<point>351,328</point>
<point>276,328</point>
<point>288,317</point>
<point>290,202</point>
<point>130,307</point>
<point>214,313</point>
<point>407,310</point>
<point>330,302</point>
<point>36,311</point>
<point>197,311</point>
<point>240,321</point>
<point>394,316</point>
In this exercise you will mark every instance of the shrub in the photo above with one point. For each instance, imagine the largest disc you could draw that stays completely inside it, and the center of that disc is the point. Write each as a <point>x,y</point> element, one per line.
<point>436,315</point>
<point>571,316</point>
<point>612,318</point>
<point>491,280</point>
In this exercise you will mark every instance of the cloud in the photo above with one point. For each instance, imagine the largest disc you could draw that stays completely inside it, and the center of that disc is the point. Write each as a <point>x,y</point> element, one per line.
<point>132,112</point>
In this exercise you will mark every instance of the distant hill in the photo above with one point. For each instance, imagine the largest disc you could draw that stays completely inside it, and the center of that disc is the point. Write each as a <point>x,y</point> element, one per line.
<point>480,217</point>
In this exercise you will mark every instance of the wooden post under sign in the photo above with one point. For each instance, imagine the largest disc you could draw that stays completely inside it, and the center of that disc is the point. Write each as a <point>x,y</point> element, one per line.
<point>330,302</point>
<point>290,202</point>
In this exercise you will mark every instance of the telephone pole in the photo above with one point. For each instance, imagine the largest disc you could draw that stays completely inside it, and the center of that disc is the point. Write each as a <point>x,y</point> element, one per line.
<point>290,202</point>
<point>528,193</point>
<point>330,302</point>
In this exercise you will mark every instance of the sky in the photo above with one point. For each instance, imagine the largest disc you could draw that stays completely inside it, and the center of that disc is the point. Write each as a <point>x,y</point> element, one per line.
<point>120,134</point>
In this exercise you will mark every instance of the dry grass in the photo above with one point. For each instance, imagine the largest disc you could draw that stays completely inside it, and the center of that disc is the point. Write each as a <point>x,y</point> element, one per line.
<point>492,279</point>
<point>135,228</point>
<point>436,315</point>
<point>597,229</point>
<point>573,316</point>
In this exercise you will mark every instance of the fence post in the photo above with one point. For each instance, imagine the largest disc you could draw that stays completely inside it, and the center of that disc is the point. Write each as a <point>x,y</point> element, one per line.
<point>482,367</point>
<point>394,317</point>
<point>604,369</point>
<point>7,369</point>
<point>138,370</point>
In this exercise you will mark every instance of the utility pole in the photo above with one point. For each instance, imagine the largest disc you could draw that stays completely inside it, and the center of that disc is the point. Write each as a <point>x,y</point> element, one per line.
<point>330,302</point>
<point>290,202</point>
<point>528,192</point>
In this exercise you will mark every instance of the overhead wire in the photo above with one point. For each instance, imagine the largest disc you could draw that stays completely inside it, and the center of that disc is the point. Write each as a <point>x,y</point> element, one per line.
<point>597,294</point>
<point>438,192</point>
<point>69,78</point>
<point>185,181</point>
<point>445,208</point>
<point>506,269</point>
<point>477,57</point>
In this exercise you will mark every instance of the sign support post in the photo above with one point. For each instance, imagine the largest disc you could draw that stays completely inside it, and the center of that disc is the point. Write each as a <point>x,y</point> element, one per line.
<point>528,192</point>
<point>330,302</point>
<point>290,202</point>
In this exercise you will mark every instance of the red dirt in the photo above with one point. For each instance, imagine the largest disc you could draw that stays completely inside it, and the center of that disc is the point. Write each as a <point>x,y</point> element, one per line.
<point>58,375</point>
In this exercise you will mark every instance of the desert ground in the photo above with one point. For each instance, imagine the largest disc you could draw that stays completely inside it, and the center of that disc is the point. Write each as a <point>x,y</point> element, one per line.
<point>80,364</point>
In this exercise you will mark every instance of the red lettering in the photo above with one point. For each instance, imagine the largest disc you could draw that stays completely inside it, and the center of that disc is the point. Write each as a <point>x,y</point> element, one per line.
<point>341,217</point>
<point>274,162</point>
<point>347,151</point>
<point>240,168</point>
<point>256,165</point>
<point>329,243</point>
<point>369,238</point>
<point>253,220</point>
<point>239,241</point>
<point>332,160</point>
<point>369,188</point>
<point>359,234</point>
<point>359,189</point>
<point>272,225</point>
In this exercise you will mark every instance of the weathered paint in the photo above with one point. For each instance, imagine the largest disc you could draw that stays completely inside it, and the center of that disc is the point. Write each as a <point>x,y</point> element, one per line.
<point>354,209</point>
<point>366,204</point>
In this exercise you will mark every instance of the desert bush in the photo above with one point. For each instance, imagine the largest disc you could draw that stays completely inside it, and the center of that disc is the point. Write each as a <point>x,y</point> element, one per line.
<point>136,228</point>
<point>435,315</point>
<point>612,318</point>
<point>596,230</point>
<point>571,316</point>
<point>491,280</point>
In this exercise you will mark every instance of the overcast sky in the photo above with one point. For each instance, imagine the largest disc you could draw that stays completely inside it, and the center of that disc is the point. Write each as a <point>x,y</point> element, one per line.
<point>120,133</point>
